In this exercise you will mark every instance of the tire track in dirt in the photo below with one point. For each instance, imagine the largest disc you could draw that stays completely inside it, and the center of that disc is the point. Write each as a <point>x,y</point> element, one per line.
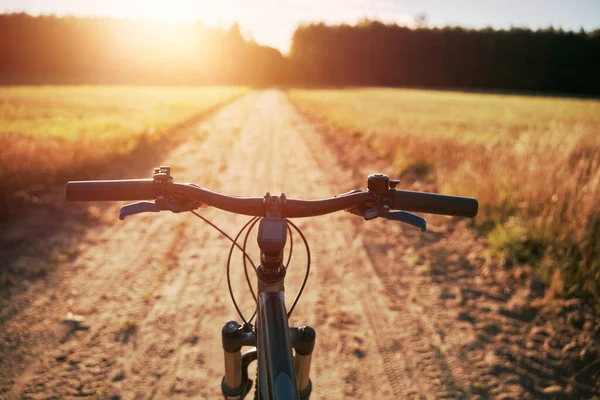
<point>104,324</point>
<point>396,336</point>
<point>385,334</point>
<point>386,339</point>
<point>424,342</point>
<point>179,352</point>
<point>431,365</point>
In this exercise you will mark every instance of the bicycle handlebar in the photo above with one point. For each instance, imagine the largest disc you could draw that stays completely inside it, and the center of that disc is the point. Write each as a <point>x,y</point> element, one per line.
<point>117,190</point>
<point>148,189</point>
<point>434,203</point>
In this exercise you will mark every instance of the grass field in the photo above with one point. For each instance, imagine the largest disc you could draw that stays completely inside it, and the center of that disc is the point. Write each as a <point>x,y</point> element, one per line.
<point>47,130</point>
<point>533,162</point>
<point>101,112</point>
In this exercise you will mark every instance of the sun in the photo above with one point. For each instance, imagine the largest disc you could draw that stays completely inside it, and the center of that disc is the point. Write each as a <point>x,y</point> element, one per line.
<point>168,13</point>
<point>265,27</point>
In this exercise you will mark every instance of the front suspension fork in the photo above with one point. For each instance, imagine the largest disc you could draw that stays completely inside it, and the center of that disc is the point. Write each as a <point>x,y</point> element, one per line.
<point>236,384</point>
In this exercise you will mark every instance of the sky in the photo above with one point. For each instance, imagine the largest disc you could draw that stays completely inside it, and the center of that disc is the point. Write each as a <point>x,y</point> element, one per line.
<point>272,22</point>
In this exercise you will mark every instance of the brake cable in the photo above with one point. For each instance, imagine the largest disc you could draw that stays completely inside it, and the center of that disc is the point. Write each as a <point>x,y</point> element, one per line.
<point>233,245</point>
<point>225,234</point>
<point>250,224</point>
<point>244,259</point>
<point>257,219</point>
<point>307,267</point>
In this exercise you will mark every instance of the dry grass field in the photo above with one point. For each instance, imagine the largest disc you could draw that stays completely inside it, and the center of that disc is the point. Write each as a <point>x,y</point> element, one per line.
<point>533,163</point>
<point>48,131</point>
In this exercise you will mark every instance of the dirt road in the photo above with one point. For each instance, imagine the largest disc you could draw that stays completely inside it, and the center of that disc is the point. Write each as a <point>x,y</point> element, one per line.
<point>398,313</point>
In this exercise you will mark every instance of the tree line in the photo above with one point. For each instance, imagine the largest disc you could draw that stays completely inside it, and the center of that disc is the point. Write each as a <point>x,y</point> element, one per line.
<point>48,49</point>
<point>373,53</point>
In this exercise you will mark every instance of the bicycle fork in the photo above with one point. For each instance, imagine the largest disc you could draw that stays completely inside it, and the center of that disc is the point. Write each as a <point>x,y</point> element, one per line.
<point>236,384</point>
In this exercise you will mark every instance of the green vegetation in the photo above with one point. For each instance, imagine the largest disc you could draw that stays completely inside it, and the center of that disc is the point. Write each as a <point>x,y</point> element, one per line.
<point>126,329</point>
<point>127,325</point>
<point>49,131</point>
<point>533,163</point>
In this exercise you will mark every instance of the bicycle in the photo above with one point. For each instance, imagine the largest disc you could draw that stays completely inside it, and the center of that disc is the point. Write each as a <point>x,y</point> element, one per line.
<point>283,353</point>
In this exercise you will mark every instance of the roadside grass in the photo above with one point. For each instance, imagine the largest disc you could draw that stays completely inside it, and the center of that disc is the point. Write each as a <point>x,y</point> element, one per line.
<point>50,132</point>
<point>127,328</point>
<point>532,162</point>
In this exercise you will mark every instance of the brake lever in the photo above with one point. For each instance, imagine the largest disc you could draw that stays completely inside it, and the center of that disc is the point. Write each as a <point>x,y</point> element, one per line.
<point>408,218</point>
<point>156,206</point>
<point>138,208</point>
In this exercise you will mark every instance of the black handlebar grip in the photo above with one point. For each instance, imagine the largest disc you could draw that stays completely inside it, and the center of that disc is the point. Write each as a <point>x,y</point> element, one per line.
<point>124,190</point>
<point>434,203</point>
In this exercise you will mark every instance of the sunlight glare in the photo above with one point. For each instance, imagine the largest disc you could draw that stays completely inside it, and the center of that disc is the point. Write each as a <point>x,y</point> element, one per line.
<point>179,11</point>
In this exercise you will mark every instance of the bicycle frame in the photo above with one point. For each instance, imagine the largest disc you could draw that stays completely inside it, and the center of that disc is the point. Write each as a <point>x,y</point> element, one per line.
<point>276,378</point>
<point>281,374</point>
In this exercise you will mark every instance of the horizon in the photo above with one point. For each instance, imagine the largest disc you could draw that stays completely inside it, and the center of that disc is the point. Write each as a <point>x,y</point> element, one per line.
<point>272,23</point>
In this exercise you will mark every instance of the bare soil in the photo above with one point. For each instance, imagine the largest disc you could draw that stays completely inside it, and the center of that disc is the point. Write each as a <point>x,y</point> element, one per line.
<point>134,309</point>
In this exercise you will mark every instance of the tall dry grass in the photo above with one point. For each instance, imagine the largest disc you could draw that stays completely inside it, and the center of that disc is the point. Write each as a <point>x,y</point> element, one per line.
<point>51,134</point>
<point>538,187</point>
